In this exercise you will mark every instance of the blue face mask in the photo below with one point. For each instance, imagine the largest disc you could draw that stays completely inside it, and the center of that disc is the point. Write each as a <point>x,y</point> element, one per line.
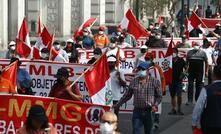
<point>142,73</point>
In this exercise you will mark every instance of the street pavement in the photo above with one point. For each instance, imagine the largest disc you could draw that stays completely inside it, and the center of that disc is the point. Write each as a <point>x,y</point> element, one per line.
<point>169,124</point>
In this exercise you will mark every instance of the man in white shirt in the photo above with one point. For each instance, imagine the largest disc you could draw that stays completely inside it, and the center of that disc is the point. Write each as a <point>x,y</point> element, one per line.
<point>63,54</point>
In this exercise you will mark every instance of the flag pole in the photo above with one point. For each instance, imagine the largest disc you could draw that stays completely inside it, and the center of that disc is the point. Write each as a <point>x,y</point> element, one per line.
<point>86,70</point>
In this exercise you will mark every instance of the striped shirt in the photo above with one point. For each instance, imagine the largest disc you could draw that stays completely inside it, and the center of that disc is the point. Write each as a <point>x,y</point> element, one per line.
<point>145,95</point>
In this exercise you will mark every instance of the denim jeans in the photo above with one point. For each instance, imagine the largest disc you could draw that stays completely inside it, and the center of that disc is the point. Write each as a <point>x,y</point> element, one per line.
<point>142,117</point>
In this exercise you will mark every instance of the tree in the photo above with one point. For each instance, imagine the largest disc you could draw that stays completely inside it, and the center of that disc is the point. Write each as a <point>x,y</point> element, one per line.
<point>217,4</point>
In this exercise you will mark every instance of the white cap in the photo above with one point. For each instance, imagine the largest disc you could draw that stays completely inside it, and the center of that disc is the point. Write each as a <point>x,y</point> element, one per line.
<point>218,24</point>
<point>12,43</point>
<point>111,59</point>
<point>144,47</point>
<point>70,40</point>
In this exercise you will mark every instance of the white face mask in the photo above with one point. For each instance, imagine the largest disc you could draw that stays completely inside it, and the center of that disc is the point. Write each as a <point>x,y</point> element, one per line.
<point>157,27</point>
<point>101,32</point>
<point>106,128</point>
<point>174,54</point>
<point>118,33</point>
<point>44,55</point>
<point>142,73</point>
<point>112,45</point>
<point>63,47</point>
<point>196,47</point>
<point>96,56</point>
<point>57,47</point>
<point>85,33</point>
<point>158,36</point>
<point>12,47</point>
<point>151,27</point>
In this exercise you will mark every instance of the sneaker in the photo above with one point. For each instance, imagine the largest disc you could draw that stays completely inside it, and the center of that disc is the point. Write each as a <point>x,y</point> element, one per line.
<point>155,126</point>
<point>180,113</point>
<point>172,112</point>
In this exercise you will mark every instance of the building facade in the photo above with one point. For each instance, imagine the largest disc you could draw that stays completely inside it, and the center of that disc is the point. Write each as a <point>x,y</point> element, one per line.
<point>61,17</point>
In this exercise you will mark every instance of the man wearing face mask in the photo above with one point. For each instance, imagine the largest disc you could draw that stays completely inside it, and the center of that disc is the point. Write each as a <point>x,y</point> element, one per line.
<point>118,82</point>
<point>147,96</point>
<point>129,38</point>
<point>97,53</point>
<point>88,41</point>
<point>62,52</point>
<point>71,51</point>
<point>108,124</point>
<point>11,50</point>
<point>140,56</point>
<point>155,40</point>
<point>197,64</point>
<point>114,50</point>
<point>44,54</point>
<point>101,40</point>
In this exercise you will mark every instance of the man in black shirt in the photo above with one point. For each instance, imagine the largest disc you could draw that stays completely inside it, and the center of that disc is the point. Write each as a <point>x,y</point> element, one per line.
<point>208,12</point>
<point>197,67</point>
<point>97,53</point>
<point>176,86</point>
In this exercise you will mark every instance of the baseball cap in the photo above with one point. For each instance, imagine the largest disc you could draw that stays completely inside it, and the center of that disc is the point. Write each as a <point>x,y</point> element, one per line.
<point>143,65</point>
<point>70,40</point>
<point>37,111</point>
<point>62,72</point>
<point>144,47</point>
<point>111,59</point>
<point>12,43</point>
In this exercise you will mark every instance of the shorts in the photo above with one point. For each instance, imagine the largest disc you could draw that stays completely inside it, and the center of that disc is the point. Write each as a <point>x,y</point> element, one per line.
<point>175,89</point>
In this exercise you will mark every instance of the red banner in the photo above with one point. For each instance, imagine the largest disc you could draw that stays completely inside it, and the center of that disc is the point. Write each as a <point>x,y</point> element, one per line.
<point>68,117</point>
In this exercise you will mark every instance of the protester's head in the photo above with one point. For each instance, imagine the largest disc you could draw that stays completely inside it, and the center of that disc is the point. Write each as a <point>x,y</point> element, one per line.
<point>149,58</point>
<point>113,42</point>
<point>125,31</point>
<point>108,123</point>
<point>218,26</point>
<point>111,60</point>
<point>37,119</point>
<point>63,45</point>
<point>79,40</point>
<point>151,26</point>
<point>12,45</point>
<point>196,46</point>
<point>13,59</point>
<point>183,39</point>
<point>86,32</point>
<point>164,28</point>
<point>217,72</point>
<point>143,49</point>
<point>97,52</point>
<point>142,69</point>
<point>175,52</point>
<point>44,53</point>
<point>62,74</point>
<point>208,7</point>
<point>158,35</point>
<point>119,31</point>
<point>121,38</point>
<point>101,30</point>
<point>206,43</point>
<point>69,43</point>
<point>57,45</point>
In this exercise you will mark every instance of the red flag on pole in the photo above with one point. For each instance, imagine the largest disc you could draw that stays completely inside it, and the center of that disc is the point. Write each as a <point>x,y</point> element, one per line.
<point>23,47</point>
<point>39,26</point>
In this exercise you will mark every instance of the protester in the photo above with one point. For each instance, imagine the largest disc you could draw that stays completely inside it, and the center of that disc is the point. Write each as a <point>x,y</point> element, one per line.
<point>11,50</point>
<point>129,38</point>
<point>208,12</point>
<point>115,50</point>
<point>150,27</point>
<point>23,81</point>
<point>179,15</point>
<point>118,32</point>
<point>78,42</point>
<point>156,72</point>
<point>61,89</point>
<point>88,41</point>
<point>208,106</point>
<point>184,43</point>
<point>37,122</point>
<point>44,53</point>
<point>71,51</point>
<point>155,40</point>
<point>61,52</point>
<point>122,43</point>
<point>108,124</point>
<point>6,85</point>
<point>147,96</point>
<point>118,82</point>
<point>140,56</point>
<point>97,53</point>
<point>209,52</point>
<point>196,32</point>
<point>101,39</point>
<point>196,61</point>
<point>164,32</point>
<point>217,29</point>
<point>175,88</point>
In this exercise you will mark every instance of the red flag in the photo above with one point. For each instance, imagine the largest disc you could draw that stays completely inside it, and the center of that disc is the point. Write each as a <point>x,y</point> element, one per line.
<point>160,20</point>
<point>195,20</point>
<point>10,73</point>
<point>88,23</point>
<point>23,47</point>
<point>188,28</point>
<point>167,63</point>
<point>39,26</point>
<point>97,80</point>
<point>133,27</point>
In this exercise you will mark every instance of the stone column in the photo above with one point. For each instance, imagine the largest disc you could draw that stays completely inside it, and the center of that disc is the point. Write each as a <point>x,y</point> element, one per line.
<point>86,10</point>
<point>15,16</point>
<point>66,18</point>
<point>102,12</point>
<point>3,24</point>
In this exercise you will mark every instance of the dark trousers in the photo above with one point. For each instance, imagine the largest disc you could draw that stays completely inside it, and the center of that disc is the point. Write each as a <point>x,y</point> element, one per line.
<point>116,110</point>
<point>211,130</point>
<point>198,78</point>
<point>210,70</point>
<point>142,117</point>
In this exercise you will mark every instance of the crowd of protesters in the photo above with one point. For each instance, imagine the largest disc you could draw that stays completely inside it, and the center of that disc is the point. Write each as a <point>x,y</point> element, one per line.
<point>147,87</point>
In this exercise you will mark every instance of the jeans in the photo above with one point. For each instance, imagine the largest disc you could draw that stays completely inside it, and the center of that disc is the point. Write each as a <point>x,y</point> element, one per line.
<point>198,85</point>
<point>142,117</point>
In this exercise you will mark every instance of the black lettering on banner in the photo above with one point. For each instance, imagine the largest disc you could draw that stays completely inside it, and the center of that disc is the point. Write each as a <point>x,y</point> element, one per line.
<point>126,65</point>
<point>44,94</point>
<point>43,83</point>
<point>82,86</point>
<point>87,98</point>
